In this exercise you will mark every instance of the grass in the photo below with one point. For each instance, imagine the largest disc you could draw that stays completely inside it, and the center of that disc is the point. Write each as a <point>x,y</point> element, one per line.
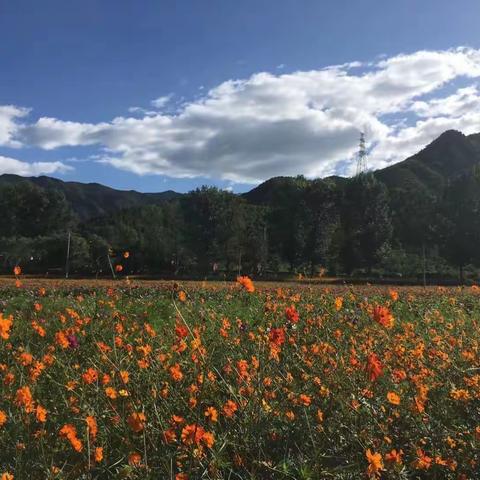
<point>159,380</point>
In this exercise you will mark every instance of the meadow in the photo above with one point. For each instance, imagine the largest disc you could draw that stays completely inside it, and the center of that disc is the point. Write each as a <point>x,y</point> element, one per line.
<point>238,380</point>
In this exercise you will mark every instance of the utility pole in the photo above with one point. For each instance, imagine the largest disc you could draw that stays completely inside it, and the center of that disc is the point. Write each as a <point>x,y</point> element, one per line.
<point>110,263</point>
<point>67,264</point>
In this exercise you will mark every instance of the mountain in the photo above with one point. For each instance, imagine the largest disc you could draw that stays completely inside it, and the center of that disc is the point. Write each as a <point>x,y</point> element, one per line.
<point>92,199</point>
<point>447,157</point>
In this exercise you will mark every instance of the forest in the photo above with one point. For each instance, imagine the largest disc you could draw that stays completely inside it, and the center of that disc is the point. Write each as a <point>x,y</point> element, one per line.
<point>304,227</point>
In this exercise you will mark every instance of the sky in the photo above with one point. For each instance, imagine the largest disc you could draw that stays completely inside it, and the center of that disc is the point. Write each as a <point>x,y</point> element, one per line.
<point>153,95</point>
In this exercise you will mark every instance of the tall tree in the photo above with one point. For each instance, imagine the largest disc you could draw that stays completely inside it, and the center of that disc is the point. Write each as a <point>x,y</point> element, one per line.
<point>366,222</point>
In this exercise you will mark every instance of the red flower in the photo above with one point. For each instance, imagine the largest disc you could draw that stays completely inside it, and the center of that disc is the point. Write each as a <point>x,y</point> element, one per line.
<point>292,314</point>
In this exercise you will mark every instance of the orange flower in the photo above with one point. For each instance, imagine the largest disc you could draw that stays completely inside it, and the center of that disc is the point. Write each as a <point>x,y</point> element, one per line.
<point>62,340</point>
<point>277,336</point>
<point>17,271</point>
<point>5,326</point>
<point>98,454</point>
<point>374,367</point>
<point>38,328</point>
<point>111,393</point>
<point>394,456</point>
<point>90,376</point>
<point>6,476</point>
<point>41,414</point>
<point>92,426</point>
<point>182,296</point>
<point>136,421</point>
<point>375,463</point>
<point>305,400</point>
<point>212,414</point>
<point>209,439</point>
<point>393,295</point>
<point>246,283</point>
<point>124,376</point>
<point>230,408</point>
<point>422,462</point>
<point>181,476</point>
<point>69,432</point>
<point>135,459</point>
<point>176,372</point>
<point>338,303</point>
<point>383,316</point>
<point>292,314</point>
<point>126,254</point>
<point>23,398</point>
<point>3,418</point>
<point>393,398</point>
<point>194,434</point>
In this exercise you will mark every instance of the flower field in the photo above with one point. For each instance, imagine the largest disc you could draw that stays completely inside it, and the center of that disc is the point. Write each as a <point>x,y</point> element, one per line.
<point>235,381</point>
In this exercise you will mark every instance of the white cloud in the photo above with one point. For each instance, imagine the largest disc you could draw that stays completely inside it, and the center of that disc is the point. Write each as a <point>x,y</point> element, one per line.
<point>8,124</point>
<point>160,102</point>
<point>17,167</point>
<point>285,124</point>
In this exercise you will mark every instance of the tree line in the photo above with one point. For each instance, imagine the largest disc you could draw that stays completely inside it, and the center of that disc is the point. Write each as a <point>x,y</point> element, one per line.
<point>354,227</point>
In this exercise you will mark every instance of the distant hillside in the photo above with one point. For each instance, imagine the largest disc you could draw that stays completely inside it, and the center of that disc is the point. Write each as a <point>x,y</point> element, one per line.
<point>447,157</point>
<point>92,199</point>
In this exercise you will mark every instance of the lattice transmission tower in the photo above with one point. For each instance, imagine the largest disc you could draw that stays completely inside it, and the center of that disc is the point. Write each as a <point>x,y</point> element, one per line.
<point>362,155</point>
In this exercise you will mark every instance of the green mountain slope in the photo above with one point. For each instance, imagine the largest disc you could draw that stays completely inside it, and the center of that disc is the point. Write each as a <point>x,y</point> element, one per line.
<point>92,199</point>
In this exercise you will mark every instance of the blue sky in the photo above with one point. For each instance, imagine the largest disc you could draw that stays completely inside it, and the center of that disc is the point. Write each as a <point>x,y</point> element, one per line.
<point>83,64</point>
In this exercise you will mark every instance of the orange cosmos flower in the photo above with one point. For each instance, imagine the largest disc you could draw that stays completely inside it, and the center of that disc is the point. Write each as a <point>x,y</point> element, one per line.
<point>394,456</point>
<point>126,254</point>
<point>69,432</point>
<point>3,418</point>
<point>23,398</point>
<point>292,314</point>
<point>277,336</point>
<point>98,454</point>
<point>17,270</point>
<point>111,393</point>
<point>5,326</point>
<point>422,462</point>
<point>41,414</point>
<point>62,340</point>
<point>38,328</point>
<point>6,476</point>
<point>230,408</point>
<point>393,398</point>
<point>194,434</point>
<point>212,414</point>
<point>374,367</point>
<point>176,372</point>
<point>375,463</point>
<point>181,476</point>
<point>305,400</point>
<point>393,295</point>
<point>90,376</point>
<point>136,421</point>
<point>135,459</point>
<point>182,296</point>
<point>92,426</point>
<point>338,303</point>
<point>246,283</point>
<point>383,316</point>
<point>124,376</point>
